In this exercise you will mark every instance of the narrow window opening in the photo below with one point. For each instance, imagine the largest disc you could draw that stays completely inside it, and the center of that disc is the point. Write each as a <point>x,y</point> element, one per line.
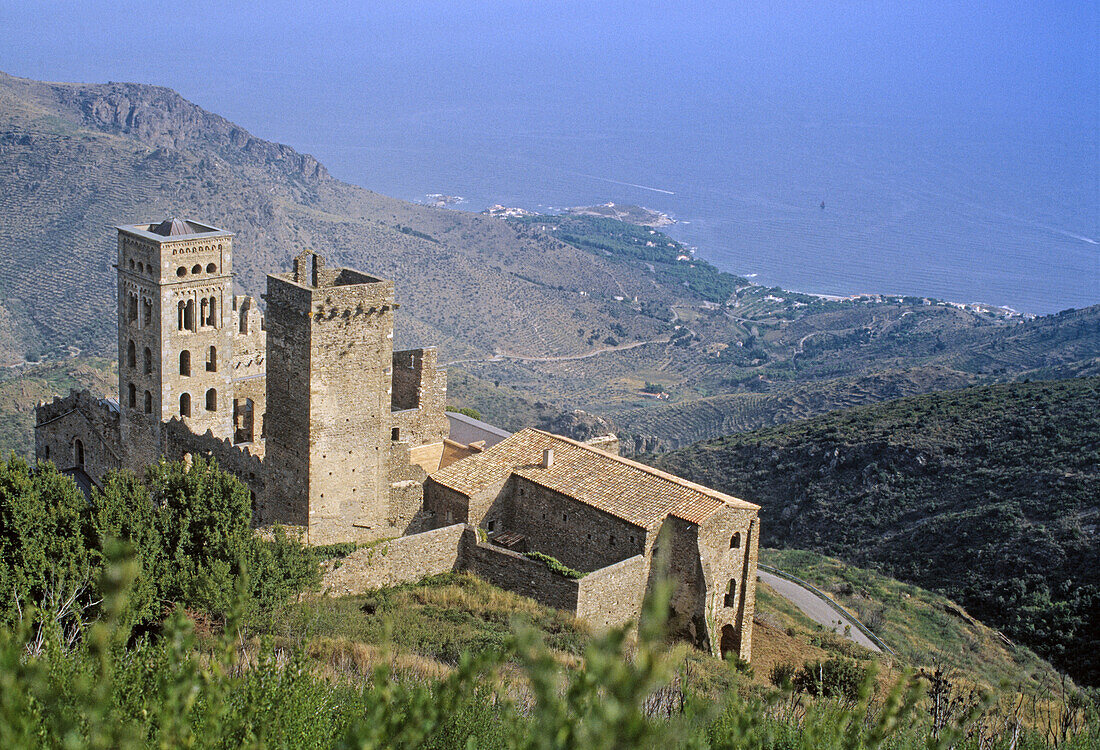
<point>492,525</point>
<point>395,433</point>
<point>146,311</point>
<point>735,541</point>
<point>185,362</point>
<point>78,450</point>
<point>148,361</point>
<point>148,402</point>
<point>211,400</point>
<point>131,355</point>
<point>185,404</point>
<point>46,452</point>
<point>212,360</point>
<point>731,594</point>
<point>133,396</point>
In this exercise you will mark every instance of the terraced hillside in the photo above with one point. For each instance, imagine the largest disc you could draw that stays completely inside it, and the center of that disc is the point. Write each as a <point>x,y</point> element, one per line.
<point>990,495</point>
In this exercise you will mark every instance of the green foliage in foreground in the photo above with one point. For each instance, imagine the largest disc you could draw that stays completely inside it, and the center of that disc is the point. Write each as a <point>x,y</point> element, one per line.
<point>103,693</point>
<point>189,528</point>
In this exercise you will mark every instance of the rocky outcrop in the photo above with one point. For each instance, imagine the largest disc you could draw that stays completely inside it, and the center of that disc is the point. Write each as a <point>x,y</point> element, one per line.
<point>162,119</point>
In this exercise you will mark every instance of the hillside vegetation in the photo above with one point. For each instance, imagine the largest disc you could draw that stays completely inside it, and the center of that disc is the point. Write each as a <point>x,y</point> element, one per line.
<point>990,495</point>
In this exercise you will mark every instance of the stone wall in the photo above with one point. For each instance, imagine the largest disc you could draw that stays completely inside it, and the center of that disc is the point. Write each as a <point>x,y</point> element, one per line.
<point>577,534</point>
<point>729,619</point>
<point>518,574</point>
<point>612,596</point>
<point>329,354</point>
<point>393,561</point>
<point>79,423</point>
<point>444,505</point>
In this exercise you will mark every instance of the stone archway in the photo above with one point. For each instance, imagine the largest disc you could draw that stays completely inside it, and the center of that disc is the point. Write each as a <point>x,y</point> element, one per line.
<point>731,641</point>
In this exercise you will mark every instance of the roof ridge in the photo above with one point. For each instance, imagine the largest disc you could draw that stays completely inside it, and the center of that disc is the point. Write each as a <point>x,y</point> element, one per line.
<point>715,494</point>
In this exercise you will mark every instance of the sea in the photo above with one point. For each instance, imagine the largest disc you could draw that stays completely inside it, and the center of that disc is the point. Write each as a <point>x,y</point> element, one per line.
<point>827,206</point>
<point>949,150</point>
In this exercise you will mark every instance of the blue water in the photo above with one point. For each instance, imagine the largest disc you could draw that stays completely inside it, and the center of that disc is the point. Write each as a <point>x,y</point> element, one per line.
<point>956,148</point>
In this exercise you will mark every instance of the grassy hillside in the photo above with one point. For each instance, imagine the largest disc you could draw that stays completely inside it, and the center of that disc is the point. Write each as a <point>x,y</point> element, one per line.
<point>989,495</point>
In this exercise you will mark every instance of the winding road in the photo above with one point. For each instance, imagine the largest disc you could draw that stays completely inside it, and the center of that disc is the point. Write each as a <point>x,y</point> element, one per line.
<point>817,609</point>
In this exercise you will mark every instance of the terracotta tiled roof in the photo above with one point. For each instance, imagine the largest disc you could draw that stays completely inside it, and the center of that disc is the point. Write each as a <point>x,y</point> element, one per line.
<point>626,489</point>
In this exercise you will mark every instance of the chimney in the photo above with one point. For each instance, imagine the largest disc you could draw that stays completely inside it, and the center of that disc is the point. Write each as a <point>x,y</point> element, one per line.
<point>548,458</point>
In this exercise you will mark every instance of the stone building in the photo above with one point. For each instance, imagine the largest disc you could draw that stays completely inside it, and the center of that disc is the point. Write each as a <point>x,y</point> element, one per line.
<point>311,407</point>
<point>338,435</point>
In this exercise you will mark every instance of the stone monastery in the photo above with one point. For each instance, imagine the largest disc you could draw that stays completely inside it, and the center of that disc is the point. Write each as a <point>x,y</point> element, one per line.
<point>340,436</point>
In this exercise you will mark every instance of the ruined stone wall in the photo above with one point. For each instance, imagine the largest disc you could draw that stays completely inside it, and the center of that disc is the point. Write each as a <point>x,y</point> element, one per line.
<point>688,605</point>
<point>393,561</point>
<point>249,374</point>
<point>516,573</point>
<point>237,460</point>
<point>613,596</point>
<point>578,535</point>
<point>605,443</point>
<point>730,622</point>
<point>80,416</point>
<point>419,397</point>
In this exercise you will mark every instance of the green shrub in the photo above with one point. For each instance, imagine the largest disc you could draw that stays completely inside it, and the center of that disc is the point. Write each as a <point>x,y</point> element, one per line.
<point>554,564</point>
<point>834,678</point>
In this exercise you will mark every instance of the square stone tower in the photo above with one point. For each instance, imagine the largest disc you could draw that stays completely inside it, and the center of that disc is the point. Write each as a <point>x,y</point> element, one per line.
<point>175,333</point>
<point>329,368</point>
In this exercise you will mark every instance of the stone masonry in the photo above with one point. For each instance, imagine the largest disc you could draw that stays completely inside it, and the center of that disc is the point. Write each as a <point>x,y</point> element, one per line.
<point>337,434</point>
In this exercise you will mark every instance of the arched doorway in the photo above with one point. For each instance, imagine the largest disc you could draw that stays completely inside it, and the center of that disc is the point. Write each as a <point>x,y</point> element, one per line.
<point>731,641</point>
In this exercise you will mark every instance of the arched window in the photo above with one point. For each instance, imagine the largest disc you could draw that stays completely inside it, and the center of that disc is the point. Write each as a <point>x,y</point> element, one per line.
<point>189,315</point>
<point>132,307</point>
<point>735,541</point>
<point>211,400</point>
<point>181,271</point>
<point>185,362</point>
<point>210,317</point>
<point>78,451</point>
<point>212,360</point>
<point>146,311</point>
<point>148,361</point>
<point>133,396</point>
<point>185,404</point>
<point>211,267</point>
<point>131,355</point>
<point>196,268</point>
<point>148,402</point>
<point>131,264</point>
<point>731,593</point>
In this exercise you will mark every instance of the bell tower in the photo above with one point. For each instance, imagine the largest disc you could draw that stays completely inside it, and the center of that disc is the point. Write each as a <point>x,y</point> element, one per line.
<point>175,333</point>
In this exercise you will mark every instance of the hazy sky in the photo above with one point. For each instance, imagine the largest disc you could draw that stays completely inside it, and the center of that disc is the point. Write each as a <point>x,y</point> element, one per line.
<point>299,68</point>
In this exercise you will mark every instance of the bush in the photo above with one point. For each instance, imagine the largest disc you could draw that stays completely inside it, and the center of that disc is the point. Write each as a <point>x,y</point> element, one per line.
<point>835,678</point>
<point>782,674</point>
